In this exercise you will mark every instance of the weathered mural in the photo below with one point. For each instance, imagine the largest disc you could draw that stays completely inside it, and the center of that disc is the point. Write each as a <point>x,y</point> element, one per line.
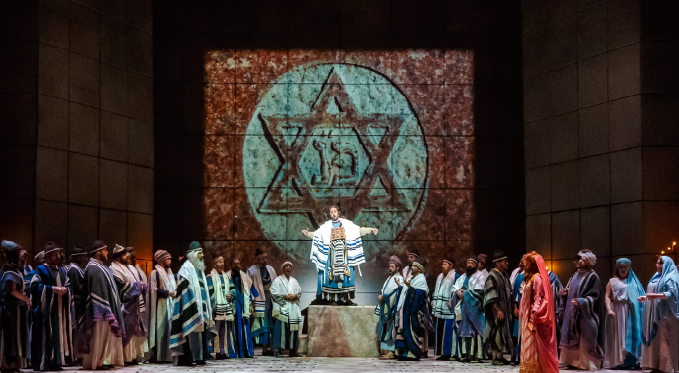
<point>386,136</point>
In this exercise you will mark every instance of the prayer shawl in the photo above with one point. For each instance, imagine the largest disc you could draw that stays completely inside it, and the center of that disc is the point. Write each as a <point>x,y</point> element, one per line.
<point>221,308</point>
<point>586,321</point>
<point>102,303</point>
<point>76,277</point>
<point>143,301</point>
<point>256,277</point>
<point>161,283</point>
<point>415,316</point>
<point>471,305</point>
<point>668,284</point>
<point>536,305</point>
<point>443,292</point>
<point>51,337</point>
<point>129,294</point>
<point>287,312</point>
<point>192,311</point>
<point>498,292</point>
<point>334,258</point>
<point>390,292</point>
<point>242,300</point>
<point>13,315</point>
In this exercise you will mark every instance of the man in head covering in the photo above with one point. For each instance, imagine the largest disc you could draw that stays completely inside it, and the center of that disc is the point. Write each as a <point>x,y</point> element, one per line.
<point>192,323</point>
<point>337,251</point>
<point>412,316</point>
<point>516,303</point>
<point>444,310</point>
<point>101,332</point>
<point>162,289</point>
<point>286,292</point>
<point>76,278</point>
<point>413,256</point>
<point>14,306</point>
<point>386,302</point>
<point>39,258</point>
<point>623,322</point>
<point>242,294</point>
<point>51,336</point>
<point>220,299</point>
<point>141,277</point>
<point>497,304</point>
<point>469,306</point>
<point>482,259</point>
<point>262,275</point>
<point>582,333</point>
<point>135,344</point>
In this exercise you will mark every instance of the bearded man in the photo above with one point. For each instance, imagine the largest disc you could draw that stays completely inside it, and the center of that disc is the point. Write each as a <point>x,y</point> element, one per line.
<point>469,297</point>
<point>497,304</point>
<point>51,337</point>
<point>242,294</point>
<point>262,276</point>
<point>412,316</point>
<point>386,302</point>
<point>192,323</point>
<point>135,344</point>
<point>220,299</point>
<point>444,310</point>
<point>162,289</point>
<point>287,315</point>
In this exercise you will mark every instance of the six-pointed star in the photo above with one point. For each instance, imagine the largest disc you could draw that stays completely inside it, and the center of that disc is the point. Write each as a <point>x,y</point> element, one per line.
<point>288,137</point>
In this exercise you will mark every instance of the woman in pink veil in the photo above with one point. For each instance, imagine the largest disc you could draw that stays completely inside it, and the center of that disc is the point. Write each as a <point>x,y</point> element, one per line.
<point>536,319</point>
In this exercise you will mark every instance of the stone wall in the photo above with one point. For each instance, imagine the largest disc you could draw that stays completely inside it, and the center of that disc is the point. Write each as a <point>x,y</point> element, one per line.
<point>601,157</point>
<point>76,143</point>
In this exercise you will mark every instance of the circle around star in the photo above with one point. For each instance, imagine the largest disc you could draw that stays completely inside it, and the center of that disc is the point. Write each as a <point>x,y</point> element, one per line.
<point>334,134</point>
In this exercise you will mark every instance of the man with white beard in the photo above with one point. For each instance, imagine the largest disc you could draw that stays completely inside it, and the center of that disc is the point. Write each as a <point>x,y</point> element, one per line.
<point>192,324</point>
<point>384,310</point>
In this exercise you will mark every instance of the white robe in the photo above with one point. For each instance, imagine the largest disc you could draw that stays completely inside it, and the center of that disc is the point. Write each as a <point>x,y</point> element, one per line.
<point>161,312</point>
<point>616,326</point>
<point>138,346</point>
<point>663,353</point>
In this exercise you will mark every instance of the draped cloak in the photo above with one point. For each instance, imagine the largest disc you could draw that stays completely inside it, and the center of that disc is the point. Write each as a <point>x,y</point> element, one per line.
<point>76,278</point>
<point>536,313</point>
<point>471,306</point>
<point>242,293</point>
<point>556,289</point>
<point>385,322</point>
<point>161,283</point>
<point>584,323</point>
<point>52,331</point>
<point>497,333</point>
<point>262,324</point>
<point>668,284</point>
<point>192,311</point>
<point>13,316</point>
<point>328,259</point>
<point>101,304</point>
<point>415,317</point>
<point>443,307</point>
<point>130,295</point>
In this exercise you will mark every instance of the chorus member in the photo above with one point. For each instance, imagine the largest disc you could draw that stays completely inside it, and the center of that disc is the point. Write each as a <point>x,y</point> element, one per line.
<point>582,333</point>
<point>286,292</point>
<point>497,304</point>
<point>386,302</point>
<point>412,316</point>
<point>14,306</point>
<point>469,290</point>
<point>262,275</point>
<point>444,310</point>
<point>162,290</point>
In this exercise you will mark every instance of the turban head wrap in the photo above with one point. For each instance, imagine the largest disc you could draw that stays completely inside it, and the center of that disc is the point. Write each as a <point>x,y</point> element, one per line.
<point>589,257</point>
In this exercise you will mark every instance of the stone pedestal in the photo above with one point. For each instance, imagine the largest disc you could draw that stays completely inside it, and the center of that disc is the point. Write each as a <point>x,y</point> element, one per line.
<point>336,331</point>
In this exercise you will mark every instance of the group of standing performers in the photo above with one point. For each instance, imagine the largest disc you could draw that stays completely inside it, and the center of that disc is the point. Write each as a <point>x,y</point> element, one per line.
<point>489,314</point>
<point>104,316</point>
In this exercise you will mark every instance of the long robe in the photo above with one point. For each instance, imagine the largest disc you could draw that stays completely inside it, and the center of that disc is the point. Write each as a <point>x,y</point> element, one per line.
<point>517,294</point>
<point>582,333</point>
<point>52,337</point>
<point>497,333</point>
<point>287,315</point>
<point>161,282</point>
<point>385,322</point>
<point>135,343</point>
<point>332,285</point>
<point>102,329</point>
<point>412,319</point>
<point>262,323</point>
<point>444,311</point>
<point>470,308</point>
<point>661,321</point>
<point>623,331</point>
<point>538,335</point>
<point>192,323</point>
<point>76,279</point>
<point>13,319</point>
<point>556,289</point>
<point>239,336</point>
<point>222,310</point>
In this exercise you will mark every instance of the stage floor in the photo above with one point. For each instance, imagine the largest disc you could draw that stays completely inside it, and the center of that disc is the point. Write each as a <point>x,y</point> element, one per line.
<point>319,365</point>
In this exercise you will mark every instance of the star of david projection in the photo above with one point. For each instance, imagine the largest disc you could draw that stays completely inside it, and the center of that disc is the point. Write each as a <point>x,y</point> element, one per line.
<point>332,110</point>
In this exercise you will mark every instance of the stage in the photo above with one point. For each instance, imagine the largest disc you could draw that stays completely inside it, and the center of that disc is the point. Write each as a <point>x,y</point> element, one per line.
<point>317,364</point>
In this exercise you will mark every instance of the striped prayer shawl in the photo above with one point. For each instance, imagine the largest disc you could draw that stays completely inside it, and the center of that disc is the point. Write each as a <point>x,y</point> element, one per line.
<point>256,277</point>
<point>192,311</point>
<point>287,312</point>
<point>320,247</point>
<point>443,293</point>
<point>587,319</point>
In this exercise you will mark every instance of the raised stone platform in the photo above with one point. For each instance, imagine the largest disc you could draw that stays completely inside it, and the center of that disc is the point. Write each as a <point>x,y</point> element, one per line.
<point>336,331</point>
